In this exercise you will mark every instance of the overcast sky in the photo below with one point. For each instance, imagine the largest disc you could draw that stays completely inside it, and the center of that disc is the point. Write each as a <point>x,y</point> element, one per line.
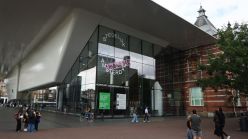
<point>219,12</point>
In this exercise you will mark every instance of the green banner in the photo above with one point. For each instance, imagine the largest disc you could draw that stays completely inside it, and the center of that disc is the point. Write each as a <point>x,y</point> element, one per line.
<point>104,101</point>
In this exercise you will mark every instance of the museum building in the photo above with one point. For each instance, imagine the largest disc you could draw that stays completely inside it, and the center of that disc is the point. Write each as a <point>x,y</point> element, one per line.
<point>112,57</point>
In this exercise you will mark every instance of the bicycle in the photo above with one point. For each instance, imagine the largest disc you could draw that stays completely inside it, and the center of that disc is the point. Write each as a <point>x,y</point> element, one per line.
<point>88,116</point>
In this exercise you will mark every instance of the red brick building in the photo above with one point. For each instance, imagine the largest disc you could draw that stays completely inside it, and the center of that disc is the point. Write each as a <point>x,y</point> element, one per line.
<point>179,72</point>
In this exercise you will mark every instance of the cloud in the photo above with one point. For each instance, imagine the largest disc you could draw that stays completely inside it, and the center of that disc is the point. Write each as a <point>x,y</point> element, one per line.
<point>226,10</point>
<point>219,12</point>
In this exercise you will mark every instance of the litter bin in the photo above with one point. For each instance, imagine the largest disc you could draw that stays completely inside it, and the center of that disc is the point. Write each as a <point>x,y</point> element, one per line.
<point>243,122</point>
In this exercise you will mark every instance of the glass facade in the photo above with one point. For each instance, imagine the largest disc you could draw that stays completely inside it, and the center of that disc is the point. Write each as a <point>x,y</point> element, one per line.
<point>45,99</point>
<point>114,73</point>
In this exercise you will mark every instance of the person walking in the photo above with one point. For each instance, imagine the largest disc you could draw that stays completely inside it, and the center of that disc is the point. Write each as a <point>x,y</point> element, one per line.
<point>222,122</point>
<point>31,121</point>
<point>87,115</point>
<point>189,130</point>
<point>25,121</point>
<point>146,117</point>
<point>18,117</point>
<point>135,117</point>
<point>217,128</point>
<point>37,120</point>
<point>195,121</point>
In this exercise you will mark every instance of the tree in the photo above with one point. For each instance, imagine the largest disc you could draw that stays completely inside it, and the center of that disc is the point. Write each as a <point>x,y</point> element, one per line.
<point>229,69</point>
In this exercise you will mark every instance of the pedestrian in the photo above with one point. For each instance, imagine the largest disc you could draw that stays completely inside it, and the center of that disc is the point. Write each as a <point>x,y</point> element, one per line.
<point>18,117</point>
<point>135,117</point>
<point>146,117</point>
<point>189,130</point>
<point>87,114</point>
<point>37,119</point>
<point>25,121</point>
<point>222,124</point>
<point>217,127</point>
<point>195,121</point>
<point>31,121</point>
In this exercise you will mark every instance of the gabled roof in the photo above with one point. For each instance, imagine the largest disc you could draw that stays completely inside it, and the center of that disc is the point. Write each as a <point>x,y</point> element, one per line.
<point>204,24</point>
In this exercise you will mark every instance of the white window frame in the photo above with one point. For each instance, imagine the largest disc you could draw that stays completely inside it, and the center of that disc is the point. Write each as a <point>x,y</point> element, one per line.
<point>193,100</point>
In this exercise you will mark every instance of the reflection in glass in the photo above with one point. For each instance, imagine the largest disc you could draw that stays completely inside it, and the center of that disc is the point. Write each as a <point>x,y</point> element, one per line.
<point>87,97</point>
<point>82,74</point>
<point>148,60</point>
<point>45,98</point>
<point>90,87</point>
<point>105,49</point>
<point>135,57</point>
<point>136,67</point>
<point>91,76</point>
<point>88,76</point>
<point>120,53</point>
<point>83,87</point>
<point>149,71</point>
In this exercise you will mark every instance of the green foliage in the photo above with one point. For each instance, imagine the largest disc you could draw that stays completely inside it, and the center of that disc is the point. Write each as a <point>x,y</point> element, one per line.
<point>230,68</point>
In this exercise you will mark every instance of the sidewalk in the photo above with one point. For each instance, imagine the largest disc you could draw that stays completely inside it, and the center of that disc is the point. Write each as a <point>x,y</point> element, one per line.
<point>57,126</point>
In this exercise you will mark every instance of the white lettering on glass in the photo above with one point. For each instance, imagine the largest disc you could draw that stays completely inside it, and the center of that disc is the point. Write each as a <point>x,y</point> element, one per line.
<point>116,36</point>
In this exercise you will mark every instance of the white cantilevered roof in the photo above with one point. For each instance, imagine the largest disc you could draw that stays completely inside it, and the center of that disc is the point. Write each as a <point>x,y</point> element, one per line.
<point>23,21</point>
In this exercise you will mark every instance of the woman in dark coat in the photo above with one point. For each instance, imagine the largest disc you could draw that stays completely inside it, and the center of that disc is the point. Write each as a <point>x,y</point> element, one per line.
<point>217,130</point>
<point>37,120</point>
<point>222,124</point>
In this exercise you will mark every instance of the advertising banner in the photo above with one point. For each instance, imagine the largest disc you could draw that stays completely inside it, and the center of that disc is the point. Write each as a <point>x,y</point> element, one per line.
<point>121,101</point>
<point>104,100</point>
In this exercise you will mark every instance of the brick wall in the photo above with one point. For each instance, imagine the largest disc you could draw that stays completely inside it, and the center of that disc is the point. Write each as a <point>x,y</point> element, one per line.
<point>213,99</point>
<point>177,72</point>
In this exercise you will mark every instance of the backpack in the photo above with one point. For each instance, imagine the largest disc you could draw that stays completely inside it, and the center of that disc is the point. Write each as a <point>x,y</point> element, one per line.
<point>31,115</point>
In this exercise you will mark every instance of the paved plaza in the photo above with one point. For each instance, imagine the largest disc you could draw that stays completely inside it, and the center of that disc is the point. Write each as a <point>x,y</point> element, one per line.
<point>60,126</point>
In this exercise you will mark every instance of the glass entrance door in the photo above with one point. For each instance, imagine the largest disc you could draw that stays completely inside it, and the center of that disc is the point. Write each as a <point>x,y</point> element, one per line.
<point>112,101</point>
